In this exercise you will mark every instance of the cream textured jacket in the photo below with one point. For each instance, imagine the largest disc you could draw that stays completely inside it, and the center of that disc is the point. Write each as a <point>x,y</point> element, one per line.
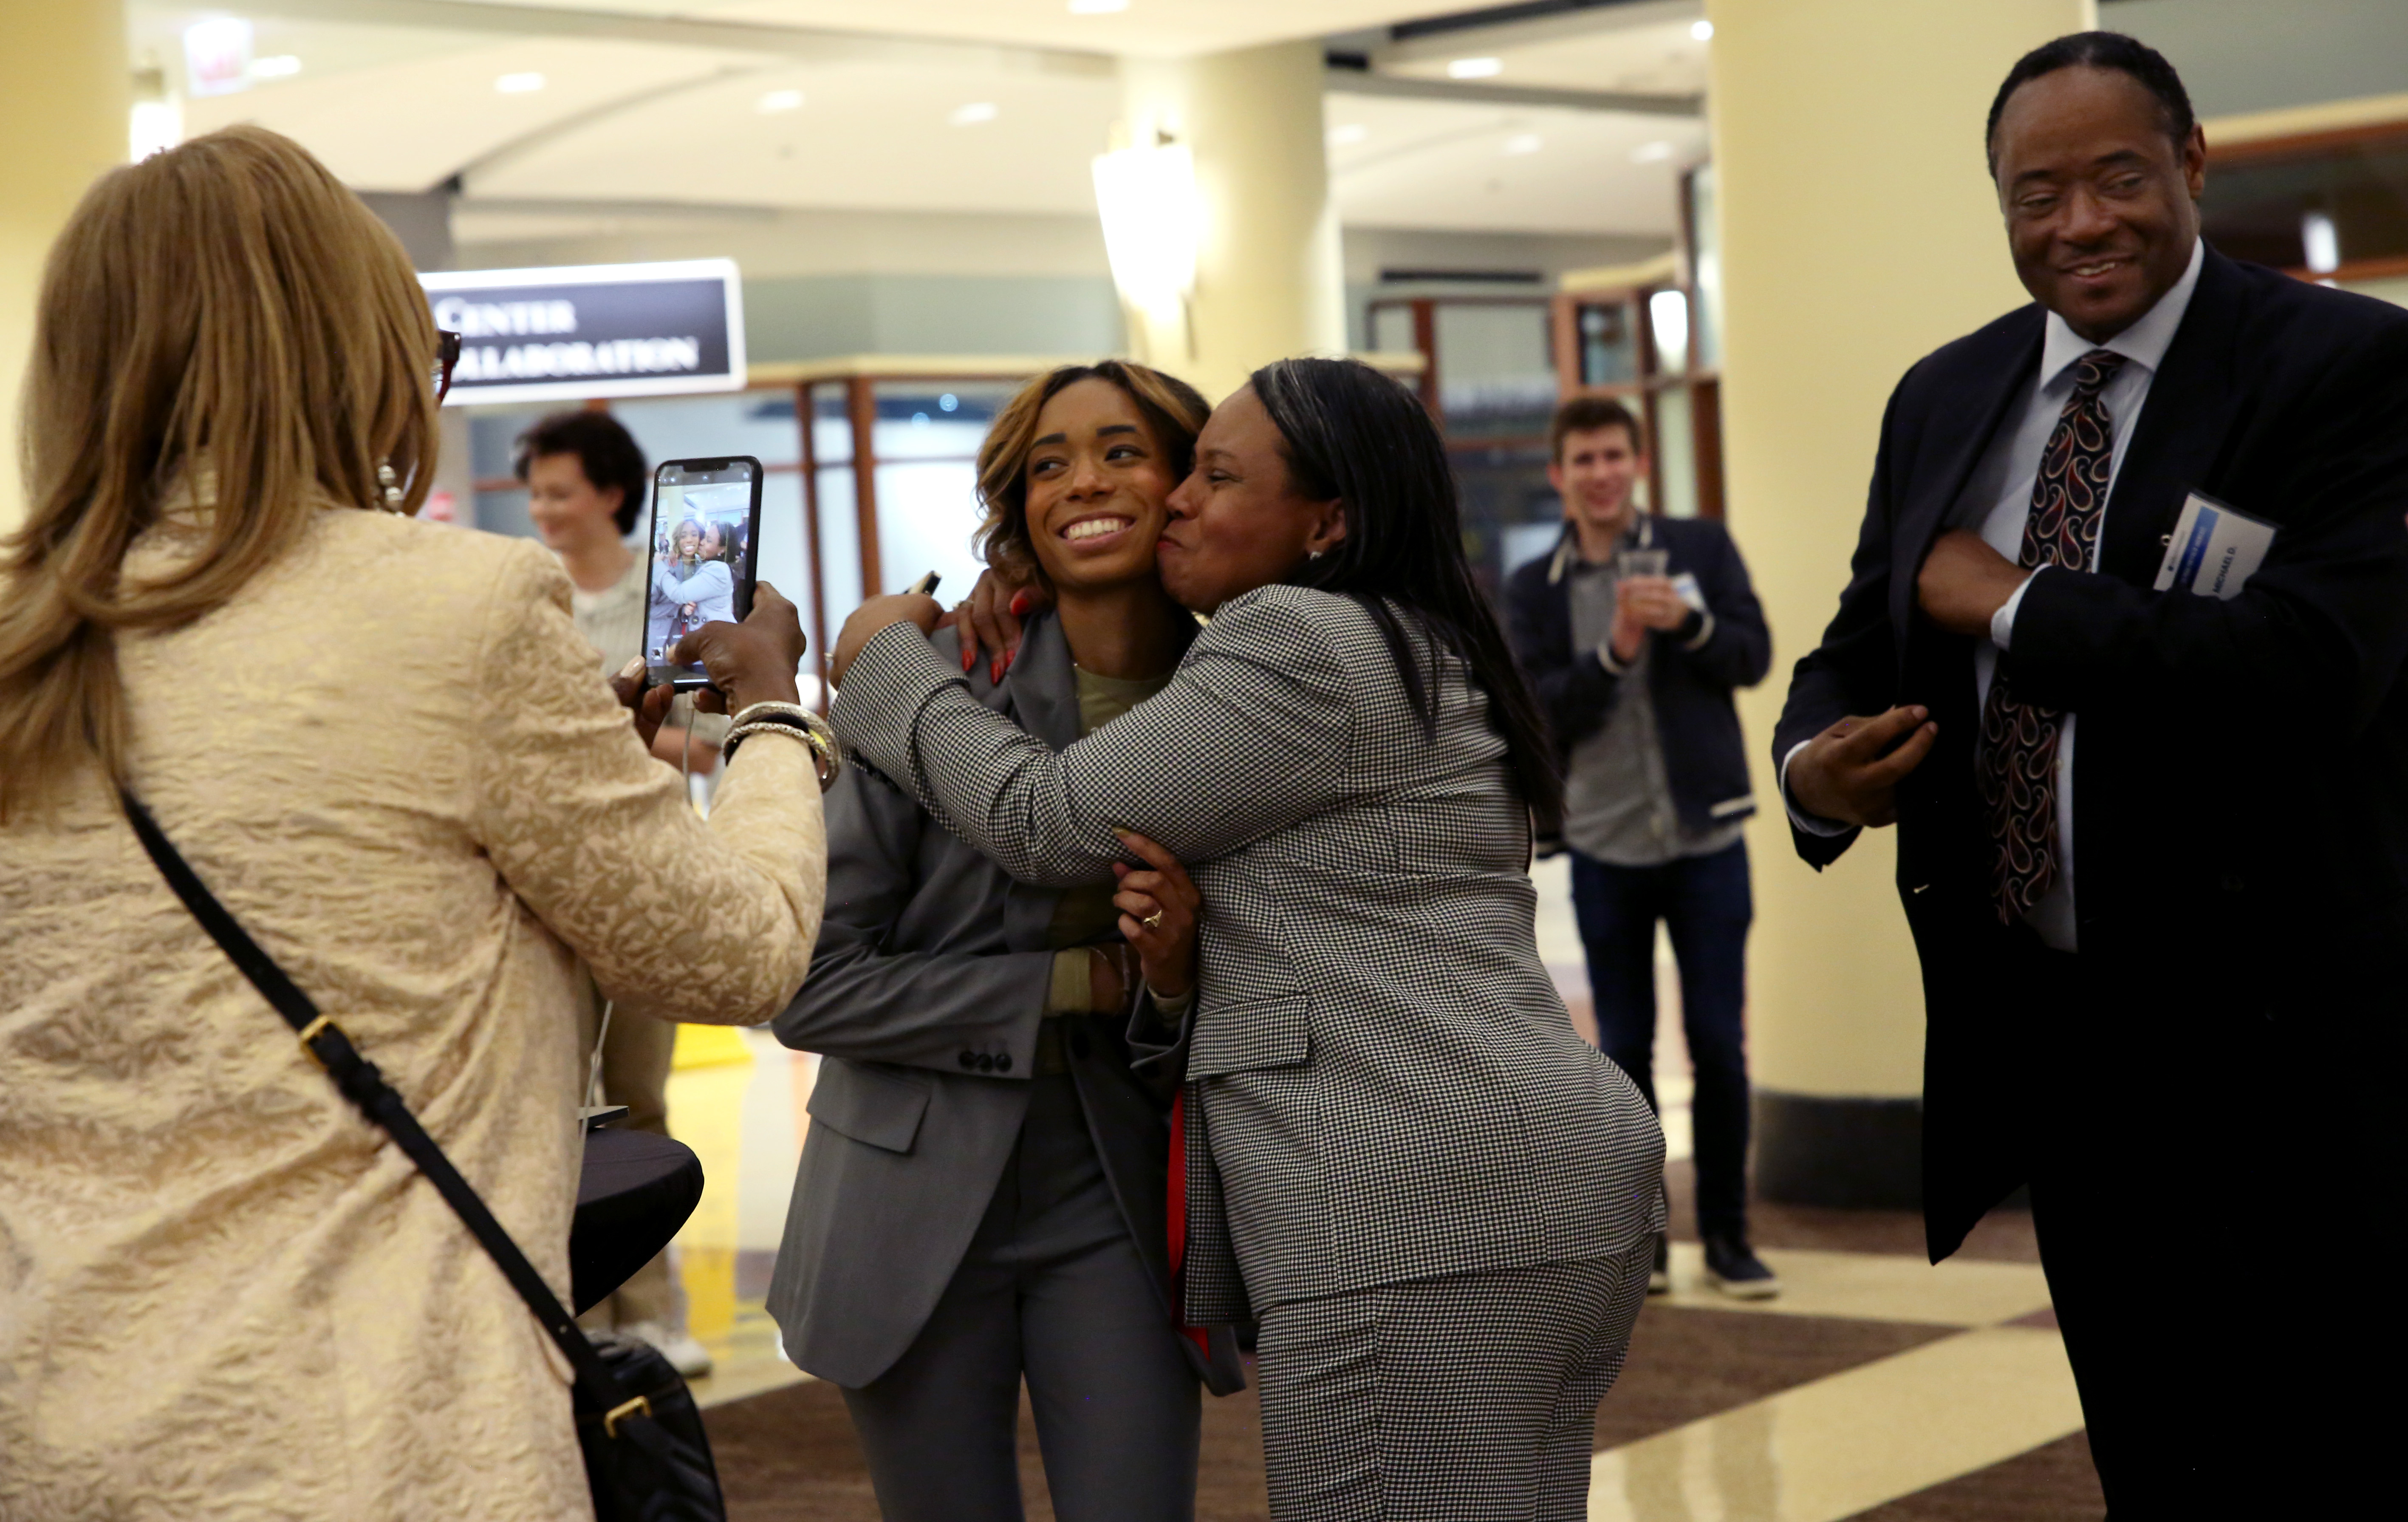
<point>222,1293</point>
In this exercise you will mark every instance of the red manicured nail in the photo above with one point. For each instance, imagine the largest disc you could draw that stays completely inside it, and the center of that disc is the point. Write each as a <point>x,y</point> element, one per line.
<point>995,671</point>
<point>969,657</point>
<point>1019,604</point>
<point>1007,659</point>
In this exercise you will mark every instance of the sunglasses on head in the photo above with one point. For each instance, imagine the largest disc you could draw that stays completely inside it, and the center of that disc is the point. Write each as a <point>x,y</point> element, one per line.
<point>447,357</point>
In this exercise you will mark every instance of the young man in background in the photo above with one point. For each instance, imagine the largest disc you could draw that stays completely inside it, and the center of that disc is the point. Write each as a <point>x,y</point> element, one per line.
<point>1635,632</point>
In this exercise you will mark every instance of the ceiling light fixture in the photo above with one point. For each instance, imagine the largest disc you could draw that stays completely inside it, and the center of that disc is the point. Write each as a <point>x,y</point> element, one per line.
<point>1651,152</point>
<point>1097,8</point>
<point>1702,30</point>
<point>1475,68</point>
<point>779,100</point>
<point>518,84</point>
<point>973,113</point>
<point>1348,135</point>
<point>1525,142</point>
<point>275,67</point>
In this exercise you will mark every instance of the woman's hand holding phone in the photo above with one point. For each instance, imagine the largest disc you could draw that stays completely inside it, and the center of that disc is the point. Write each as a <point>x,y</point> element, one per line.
<point>751,662</point>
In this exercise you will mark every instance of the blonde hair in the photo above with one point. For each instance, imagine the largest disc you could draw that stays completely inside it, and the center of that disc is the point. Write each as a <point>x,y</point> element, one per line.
<point>222,320</point>
<point>1173,408</point>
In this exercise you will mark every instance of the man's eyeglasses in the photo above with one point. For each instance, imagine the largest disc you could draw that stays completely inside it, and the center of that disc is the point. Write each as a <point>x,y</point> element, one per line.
<point>447,357</point>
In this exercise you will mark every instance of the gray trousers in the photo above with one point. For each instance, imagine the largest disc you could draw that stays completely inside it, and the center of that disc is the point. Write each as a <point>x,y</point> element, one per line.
<point>1468,1398</point>
<point>1053,1290</point>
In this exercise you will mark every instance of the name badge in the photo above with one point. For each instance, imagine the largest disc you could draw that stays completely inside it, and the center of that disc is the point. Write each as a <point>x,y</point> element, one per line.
<point>2214,549</point>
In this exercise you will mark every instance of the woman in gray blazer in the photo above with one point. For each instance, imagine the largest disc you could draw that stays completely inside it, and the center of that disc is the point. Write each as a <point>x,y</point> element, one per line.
<point>1437,1198</point>
<point>981,1199</point>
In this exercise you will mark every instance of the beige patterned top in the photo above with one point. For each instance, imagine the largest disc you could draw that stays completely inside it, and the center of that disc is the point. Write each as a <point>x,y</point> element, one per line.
<point>222,1293</point>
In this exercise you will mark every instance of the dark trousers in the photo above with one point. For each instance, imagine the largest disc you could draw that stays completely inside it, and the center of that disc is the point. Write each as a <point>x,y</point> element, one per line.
<point>1706,906</point>
<point>2205,1187</point>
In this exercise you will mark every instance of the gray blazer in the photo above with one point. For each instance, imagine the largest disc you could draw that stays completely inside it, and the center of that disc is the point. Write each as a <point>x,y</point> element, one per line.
<point>1383,1083</point>
<point>924,998</point>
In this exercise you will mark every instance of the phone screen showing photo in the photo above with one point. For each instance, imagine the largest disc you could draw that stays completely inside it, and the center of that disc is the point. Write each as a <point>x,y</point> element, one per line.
<point>704,542</point>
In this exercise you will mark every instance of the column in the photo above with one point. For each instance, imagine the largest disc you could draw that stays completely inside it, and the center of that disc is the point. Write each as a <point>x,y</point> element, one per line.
<point>1859,231</point>
<point>1268,282</point>
<point>63,115</point>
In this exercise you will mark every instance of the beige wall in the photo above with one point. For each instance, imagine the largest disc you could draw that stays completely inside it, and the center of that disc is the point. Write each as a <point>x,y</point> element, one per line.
<point>63,121</point>
<point>1268,279</point>
<point>1859,233</point>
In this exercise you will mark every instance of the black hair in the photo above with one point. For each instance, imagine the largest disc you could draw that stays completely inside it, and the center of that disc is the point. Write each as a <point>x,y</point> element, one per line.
<point>1351,432</point>
<point>605,451</point>
<point>2104,51</point>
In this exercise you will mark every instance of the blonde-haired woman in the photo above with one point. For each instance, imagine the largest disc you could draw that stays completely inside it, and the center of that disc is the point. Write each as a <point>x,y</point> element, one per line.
<point>222,1293</point>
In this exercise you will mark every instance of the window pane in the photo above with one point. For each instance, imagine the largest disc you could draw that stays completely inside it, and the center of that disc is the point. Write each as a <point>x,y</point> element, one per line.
<point>1494,374</point>
<point>1676,451</point>
<point>1608,356</point>
<point>1392,330</point>
<point>927,512</point>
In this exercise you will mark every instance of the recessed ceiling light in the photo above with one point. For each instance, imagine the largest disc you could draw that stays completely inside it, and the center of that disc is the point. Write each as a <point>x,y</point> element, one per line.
<point>1702,30</point>
<point>1097,8</point>
<point>1475,68</point>
<point>1651,152</point>
<point>972,114</point>
<point>276,67</point>
<point>518,84</point>
<point>1352,132</point>
<point>1525,142</point>
<point>780,100</point>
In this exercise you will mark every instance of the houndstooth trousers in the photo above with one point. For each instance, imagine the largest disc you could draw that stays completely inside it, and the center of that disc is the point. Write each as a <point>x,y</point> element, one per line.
<point>1466,1399</point>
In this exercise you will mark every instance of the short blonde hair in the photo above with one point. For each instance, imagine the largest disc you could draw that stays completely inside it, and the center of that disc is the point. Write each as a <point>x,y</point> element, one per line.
<point>225,312</point>
<point>1173,408</point>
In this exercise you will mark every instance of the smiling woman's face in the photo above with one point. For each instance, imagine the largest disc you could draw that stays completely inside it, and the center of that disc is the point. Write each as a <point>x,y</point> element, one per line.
<point>1097,484</point>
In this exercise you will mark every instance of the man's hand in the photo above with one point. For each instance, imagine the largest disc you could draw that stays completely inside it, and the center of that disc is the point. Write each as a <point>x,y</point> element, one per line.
<point>1642,603</point>
<point>1963,582</point>
<point>1850,772</point>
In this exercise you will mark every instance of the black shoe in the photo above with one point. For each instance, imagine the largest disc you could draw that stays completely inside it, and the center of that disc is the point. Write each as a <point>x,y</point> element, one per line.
<point>1659,1278</point>
<point>1737,1272</point>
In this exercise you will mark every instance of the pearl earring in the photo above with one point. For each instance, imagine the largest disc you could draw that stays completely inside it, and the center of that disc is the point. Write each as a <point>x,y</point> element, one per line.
<point>391,484</point>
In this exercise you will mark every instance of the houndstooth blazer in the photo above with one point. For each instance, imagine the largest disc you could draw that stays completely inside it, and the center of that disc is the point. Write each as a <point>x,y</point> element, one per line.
<point>1383,1083</point>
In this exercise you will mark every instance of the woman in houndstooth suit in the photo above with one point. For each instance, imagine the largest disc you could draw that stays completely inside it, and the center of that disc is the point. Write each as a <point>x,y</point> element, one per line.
<point>1436,1199</point>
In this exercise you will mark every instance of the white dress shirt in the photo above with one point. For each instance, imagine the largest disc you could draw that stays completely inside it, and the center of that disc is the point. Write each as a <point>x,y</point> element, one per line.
<point>1996,502</point>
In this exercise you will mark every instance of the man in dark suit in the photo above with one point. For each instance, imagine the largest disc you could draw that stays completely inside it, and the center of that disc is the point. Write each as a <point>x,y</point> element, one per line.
<point>1635,666</point>
<point>2184,1038</point>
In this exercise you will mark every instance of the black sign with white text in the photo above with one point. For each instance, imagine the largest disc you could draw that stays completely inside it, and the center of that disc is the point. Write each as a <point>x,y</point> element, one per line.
<point>602,330</point>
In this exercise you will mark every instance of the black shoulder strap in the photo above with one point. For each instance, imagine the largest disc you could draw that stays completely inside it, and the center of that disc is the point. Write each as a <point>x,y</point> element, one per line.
<point>361,1084</point>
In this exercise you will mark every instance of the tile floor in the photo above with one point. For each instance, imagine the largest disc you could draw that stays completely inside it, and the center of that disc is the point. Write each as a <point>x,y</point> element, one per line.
<point>1875,1386</point>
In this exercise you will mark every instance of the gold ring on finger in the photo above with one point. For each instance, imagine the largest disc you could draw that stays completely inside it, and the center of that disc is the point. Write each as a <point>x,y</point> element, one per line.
<point>1153,921</point>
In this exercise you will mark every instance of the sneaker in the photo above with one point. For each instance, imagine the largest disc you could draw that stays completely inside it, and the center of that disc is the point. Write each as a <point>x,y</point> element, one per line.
<point>1659,1278</point>
<point>1737,1272</point>
<point>686,1356</point>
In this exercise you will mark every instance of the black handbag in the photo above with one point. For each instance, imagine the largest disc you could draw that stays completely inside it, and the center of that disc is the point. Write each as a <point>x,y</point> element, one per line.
<point>647,1457</point>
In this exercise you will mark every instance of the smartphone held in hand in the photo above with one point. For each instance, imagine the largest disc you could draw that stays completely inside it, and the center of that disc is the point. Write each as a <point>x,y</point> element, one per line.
<point>704,550</point>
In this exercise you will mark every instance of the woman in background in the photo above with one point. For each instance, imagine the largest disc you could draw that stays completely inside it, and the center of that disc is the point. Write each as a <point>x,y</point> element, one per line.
<point>980,1200</point>
<point>385,747</point>
<point>1437,1198</point>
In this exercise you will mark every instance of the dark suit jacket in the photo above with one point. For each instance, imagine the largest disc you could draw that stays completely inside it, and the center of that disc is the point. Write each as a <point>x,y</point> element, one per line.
<point>2241,785</point>
<point>1705,760</point>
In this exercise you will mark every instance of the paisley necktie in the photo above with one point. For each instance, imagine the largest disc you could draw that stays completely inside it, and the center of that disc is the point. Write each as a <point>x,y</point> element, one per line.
<point>2018,770</point>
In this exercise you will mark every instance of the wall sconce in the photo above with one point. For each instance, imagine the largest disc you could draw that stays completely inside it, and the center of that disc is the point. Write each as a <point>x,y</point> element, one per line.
<point>1146,198</point>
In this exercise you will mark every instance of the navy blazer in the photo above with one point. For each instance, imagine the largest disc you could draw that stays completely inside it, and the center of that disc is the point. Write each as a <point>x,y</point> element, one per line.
<point>1691,673</point>
<point>2241,780</point>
